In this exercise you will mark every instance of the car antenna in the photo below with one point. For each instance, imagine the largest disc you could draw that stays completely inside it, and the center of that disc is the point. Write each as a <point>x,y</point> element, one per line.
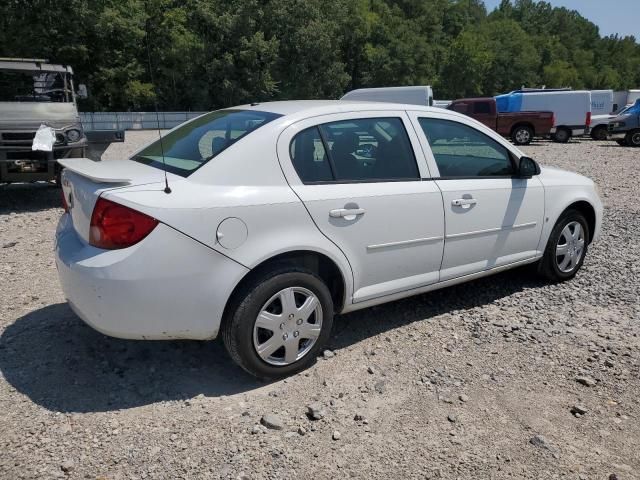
<point>155,103</point>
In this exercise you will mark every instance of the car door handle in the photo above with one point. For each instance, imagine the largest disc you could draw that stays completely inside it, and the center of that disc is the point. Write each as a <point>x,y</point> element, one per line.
<point>346,212</point>
<point>462,202</point>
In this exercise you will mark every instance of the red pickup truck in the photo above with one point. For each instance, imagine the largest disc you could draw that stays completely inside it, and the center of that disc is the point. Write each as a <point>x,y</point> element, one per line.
<point>521,127</point>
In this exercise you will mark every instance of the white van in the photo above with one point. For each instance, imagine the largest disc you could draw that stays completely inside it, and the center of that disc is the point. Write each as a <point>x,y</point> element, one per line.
<point>416,95</point>
<point>572,109</point>
<point>601,102</point>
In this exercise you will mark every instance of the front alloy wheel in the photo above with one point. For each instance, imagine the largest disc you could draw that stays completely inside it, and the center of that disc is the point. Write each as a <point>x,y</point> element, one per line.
<point>566,247</point>
<point>570,247</point>
<point>633,138</point>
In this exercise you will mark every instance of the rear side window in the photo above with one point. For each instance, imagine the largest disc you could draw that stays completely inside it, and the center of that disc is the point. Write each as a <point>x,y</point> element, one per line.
<point>459,107</point>
<point>463,151</point>
<point>482,108</point>
<point>310,157</point>
<point>358,150</point>
<point>193,144</point>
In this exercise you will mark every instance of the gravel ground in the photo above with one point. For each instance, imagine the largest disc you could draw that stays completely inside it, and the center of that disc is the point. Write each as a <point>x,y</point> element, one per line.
<point>505,377</point>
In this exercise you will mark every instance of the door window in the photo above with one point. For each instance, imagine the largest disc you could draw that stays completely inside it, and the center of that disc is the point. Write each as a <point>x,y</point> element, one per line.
<point>461,151</point>
<point>482,108</point>
<point>310,157</point>
<point>359,150</point>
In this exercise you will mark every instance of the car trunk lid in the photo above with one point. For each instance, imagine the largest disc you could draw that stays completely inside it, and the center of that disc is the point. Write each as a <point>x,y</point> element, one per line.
<point>84,180</point>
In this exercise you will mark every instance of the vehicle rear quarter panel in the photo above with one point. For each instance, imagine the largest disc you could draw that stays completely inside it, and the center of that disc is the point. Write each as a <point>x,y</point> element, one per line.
<point>244,182</point>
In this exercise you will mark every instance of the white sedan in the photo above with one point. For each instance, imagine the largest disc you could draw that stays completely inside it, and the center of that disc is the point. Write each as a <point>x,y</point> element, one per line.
<point>279,215</point>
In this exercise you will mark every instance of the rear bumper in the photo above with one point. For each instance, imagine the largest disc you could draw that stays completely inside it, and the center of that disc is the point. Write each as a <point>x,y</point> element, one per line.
<point>167,286</point>
<point>575,131</point>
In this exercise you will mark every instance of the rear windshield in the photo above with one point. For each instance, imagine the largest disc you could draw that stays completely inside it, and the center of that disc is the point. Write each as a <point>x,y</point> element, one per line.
<point>193,144</point>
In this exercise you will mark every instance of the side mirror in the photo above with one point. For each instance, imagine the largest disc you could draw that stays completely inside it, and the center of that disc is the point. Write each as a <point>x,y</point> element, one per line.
<point>82,91</point>
<point>527,167</point>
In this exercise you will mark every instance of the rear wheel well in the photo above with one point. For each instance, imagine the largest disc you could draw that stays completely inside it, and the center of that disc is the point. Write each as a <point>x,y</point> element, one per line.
<point>523,124</point>
<point>320,264</point>
<point>589,213</point>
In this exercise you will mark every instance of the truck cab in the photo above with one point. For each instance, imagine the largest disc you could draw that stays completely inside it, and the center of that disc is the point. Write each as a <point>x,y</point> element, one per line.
<point>625,128</point>
<point>33,93</point>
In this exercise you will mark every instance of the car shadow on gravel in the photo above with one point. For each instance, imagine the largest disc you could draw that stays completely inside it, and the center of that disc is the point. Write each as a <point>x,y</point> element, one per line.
<point>29,197</point>
<point>353,327</point>
<point>60,363</point>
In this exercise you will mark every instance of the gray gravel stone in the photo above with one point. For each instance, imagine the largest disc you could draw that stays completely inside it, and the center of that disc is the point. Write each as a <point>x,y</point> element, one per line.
<point>586,381</point>
<point>315,411</point>
<point>541,441</point>
<point>272,421</point>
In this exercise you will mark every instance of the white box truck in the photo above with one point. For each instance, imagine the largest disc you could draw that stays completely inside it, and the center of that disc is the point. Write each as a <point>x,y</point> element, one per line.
<point>624,98</point>
<point>415,95</point>
<point>572,109</point>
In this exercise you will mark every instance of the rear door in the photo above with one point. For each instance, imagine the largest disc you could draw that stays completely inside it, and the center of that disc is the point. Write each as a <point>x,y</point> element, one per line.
<point>363,178</point>
<point>492,217</point>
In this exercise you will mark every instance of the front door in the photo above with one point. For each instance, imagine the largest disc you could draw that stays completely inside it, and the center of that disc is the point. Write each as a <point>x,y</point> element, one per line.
<point>361,179</point>
<point>492,217</point>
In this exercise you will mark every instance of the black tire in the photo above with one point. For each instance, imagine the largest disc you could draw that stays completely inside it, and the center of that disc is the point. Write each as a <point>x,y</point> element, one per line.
<point>58,179</point>
<point>599,133</point>
<point>242,312</point>
<point>522,135</point>
<point>633,138</point>
<point>622,142</point>
<point>562,135</point>
<point>548,265</point>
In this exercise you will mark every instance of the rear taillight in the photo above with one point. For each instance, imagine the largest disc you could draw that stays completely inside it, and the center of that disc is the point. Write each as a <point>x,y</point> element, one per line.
<point>116,226</point>
<point>65,205</point>
<point>588,119</point>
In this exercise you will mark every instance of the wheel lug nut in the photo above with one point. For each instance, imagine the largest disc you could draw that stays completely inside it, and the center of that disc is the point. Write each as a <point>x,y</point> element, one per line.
<point>285,336</point>
<point>282,326</point>
<point>291,316</point>
<point>296,333</point>
<point>299,321</point>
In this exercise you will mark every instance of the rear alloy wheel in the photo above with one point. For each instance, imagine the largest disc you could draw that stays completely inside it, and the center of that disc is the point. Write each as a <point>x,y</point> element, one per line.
<point>562,135</point>
<point>279,322</point>
<point>288,326</point>
<point>522,135</point>
<point>633,138</point>
<point>566,248</point>
<point>599,133</point>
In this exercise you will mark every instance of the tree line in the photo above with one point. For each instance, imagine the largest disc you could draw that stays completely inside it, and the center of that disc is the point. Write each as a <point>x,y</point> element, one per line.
<point>206,54</point>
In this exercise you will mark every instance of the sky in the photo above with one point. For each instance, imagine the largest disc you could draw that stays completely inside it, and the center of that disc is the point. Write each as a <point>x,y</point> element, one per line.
<point>612,16</point>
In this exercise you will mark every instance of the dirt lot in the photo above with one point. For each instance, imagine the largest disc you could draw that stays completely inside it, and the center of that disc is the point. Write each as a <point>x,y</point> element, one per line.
<point>505,377</point>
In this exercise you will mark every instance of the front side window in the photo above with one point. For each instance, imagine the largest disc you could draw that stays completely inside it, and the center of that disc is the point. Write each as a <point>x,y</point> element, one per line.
<point>461,151</point>
<point>190,146</point>
<point>358,150</point>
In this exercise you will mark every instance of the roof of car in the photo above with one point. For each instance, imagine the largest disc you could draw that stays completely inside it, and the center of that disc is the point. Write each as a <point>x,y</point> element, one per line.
<point>318,107</point>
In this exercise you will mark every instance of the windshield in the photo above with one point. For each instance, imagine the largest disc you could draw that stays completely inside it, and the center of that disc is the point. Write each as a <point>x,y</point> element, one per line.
<point>633,109</point>
<point>20,86</point>
<point>193,144</point>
